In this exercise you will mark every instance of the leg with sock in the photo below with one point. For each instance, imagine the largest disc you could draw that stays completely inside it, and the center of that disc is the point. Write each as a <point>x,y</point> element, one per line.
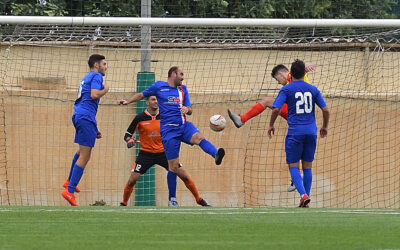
<point>307,180</point>
<point>130,184</point>
<point>171,181</point>
<point>76,176</point>
<point>66,183</point>
<point>252,112</point>
<point>297,181</point>
<point>207,147</point>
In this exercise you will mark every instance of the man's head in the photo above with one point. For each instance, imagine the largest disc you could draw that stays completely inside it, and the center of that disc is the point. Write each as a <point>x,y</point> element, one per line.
<point>98,63</point>
<point>298,69</point>
<point>175,75</point>
<point>152,103</point>
<point>280,73</point>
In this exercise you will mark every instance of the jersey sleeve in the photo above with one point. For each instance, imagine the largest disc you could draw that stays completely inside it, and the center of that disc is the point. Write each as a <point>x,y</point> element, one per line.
<point>152,90</point>
<point>132,127</point>
<point>97,82</point>
<point>186,100</point>
<point>319,100</point>
<point>280,100</point>
<point>284,111</point>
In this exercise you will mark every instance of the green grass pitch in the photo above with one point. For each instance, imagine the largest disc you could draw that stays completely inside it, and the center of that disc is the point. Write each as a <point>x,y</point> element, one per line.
<point>197,228</point>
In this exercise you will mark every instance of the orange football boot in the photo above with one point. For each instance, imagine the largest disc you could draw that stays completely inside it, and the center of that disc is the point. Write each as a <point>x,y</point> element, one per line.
<point>66,183</point>
<point>69,197</point>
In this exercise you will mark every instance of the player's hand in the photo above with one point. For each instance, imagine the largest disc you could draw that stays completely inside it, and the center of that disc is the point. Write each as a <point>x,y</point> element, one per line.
<point>131,143</point>
<point>99,135</point>
<point>323,132</point>
<point>271,131</point>
<point>309,67</point>
<point>122,102</point>
<point>184,109</point>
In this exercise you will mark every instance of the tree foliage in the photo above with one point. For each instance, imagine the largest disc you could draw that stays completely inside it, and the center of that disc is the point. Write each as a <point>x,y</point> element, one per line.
<point>207,8</point>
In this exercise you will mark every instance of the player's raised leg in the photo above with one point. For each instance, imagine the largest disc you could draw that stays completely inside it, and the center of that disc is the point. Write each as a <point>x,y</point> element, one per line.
<point>196,138</point>
<point>240,120</point>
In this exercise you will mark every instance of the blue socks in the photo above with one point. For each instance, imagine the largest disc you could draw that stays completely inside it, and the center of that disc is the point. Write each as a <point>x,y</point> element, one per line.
<point>76,176</point>
<point>171,180</point>
<point>208,147</point>
<point>307,180</point>
<point>297,181</point>
<point>76,156</point>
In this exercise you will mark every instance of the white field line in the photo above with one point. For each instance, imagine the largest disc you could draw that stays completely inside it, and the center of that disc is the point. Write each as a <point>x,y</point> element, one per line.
<point>208,211</point>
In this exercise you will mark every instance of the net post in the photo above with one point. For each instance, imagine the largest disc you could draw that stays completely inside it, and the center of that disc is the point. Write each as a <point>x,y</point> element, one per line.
<point>145,186</point>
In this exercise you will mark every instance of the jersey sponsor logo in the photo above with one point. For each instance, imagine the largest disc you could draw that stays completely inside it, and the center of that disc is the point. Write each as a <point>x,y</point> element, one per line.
<point>146,123</point>
<point>154,134</point>
<point>164,90</point>
<point>173,100</point>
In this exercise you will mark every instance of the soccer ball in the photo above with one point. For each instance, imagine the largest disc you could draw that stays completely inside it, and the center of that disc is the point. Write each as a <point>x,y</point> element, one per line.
<point>217,123</point>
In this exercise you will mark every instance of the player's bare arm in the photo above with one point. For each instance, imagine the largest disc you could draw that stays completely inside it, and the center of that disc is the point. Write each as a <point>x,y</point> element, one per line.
<point>325,116</point>
<point>96,93</point>
<point>274,115</point>
<point>136,97</point>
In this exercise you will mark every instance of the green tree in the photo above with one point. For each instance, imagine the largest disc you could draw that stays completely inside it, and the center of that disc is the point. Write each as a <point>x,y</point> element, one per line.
<point>208,8</point>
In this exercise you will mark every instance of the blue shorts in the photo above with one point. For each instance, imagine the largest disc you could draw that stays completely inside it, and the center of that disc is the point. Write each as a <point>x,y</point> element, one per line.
<point>85,130</point>
<point>300,147</point>
<point>172,136</point>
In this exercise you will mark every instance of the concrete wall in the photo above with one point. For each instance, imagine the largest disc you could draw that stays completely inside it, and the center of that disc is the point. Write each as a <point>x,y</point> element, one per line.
<point>356,166</point>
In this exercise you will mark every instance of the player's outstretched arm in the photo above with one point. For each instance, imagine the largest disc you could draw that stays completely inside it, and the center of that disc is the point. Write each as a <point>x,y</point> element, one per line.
<point>325,116</point>
<point>136,97</point>
<point>274,115</point>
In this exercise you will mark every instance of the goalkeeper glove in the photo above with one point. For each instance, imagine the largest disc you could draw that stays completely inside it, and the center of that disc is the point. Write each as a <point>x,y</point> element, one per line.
<point>130,143</point>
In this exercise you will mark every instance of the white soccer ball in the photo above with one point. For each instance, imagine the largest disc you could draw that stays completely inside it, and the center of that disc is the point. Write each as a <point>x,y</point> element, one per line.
<point>217,123</point>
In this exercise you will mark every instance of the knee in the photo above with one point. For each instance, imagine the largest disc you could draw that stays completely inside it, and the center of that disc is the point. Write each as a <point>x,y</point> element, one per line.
<point>173,166</point>
<point>267,102</point>
<point>197,138</point>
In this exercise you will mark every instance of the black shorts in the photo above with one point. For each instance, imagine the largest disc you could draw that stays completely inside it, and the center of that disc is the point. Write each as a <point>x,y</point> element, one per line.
<point>146,160</point>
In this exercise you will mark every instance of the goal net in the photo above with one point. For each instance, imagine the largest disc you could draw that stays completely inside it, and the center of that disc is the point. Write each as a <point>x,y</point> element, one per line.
<point>357,72</point>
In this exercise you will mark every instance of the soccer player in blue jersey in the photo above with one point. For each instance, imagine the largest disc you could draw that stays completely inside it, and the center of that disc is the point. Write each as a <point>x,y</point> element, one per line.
<point>301,138</point>
<point>147,124</point>
<point>90,90</point>
<point>174,103</point>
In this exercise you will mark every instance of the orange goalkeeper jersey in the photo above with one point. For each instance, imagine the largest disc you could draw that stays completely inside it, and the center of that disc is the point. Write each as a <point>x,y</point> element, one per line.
<point>149,132</point>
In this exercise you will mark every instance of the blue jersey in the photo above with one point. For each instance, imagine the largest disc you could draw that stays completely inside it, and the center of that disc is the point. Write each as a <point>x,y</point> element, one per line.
<point>301,98</point>
<point>169,99</point>
<point>85,105</point>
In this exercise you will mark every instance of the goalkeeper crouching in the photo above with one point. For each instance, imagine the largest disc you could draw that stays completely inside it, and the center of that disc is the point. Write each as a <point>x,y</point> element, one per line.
<point>152,152</point>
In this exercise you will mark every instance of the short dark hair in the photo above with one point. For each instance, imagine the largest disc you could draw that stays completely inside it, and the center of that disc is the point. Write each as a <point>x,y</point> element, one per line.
<point>298,69</point>
<point>278,68</point>
<point>172,69</point>
<point>95,58</point>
